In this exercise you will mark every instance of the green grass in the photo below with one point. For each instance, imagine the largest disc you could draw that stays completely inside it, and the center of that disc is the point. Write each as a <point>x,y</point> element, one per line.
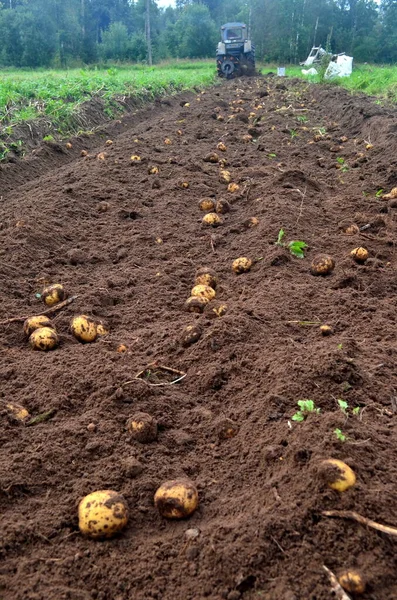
<point>58,95</point>
<point>374,80</point>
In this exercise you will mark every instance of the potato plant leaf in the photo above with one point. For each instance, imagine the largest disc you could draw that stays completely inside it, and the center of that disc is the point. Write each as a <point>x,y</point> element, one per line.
<point>297,248</point>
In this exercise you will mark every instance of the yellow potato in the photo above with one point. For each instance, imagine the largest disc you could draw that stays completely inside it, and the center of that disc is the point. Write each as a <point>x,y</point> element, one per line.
<point>322,265</point>
<point>153,170</point>
<point>142,427</point>
<point>352,582</point>
<point>15,411</point>
<point>109,142</point>
<point>219,310</point>
<point>212,157</point>
<point>206,276</point>
<point>196,304</point>
<point>176,499</point>
<point>122,348</point>
<point>391,195</point>
<point>83,328</point>
<point>44,338</point>
<point>135,158</point>
<point>339,475</point>
<point>204,291</point>
<point>360,255</point>
<point>33,323</point>
<point>233,187</point>
<point>225,176</point>
<point>102,514</point>
<point>352,229</point>
<point>221,146</point>
<point>326,330</point>
<point>242,265</point>
<point>101,329</point>
<point>212,219</point>
<point>206,204</point>
<point>53,294</point>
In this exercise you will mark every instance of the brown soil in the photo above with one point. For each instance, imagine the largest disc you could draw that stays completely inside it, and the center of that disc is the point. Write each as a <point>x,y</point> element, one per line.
<point>132,263</point>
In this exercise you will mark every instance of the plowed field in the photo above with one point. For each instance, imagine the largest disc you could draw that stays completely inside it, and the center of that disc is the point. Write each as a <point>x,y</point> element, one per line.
<point>310,160</point>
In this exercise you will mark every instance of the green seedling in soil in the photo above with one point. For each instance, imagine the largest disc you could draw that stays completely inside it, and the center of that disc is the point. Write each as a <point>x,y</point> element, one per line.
<point>293,133</point>
<point>340,346</point>
<point>343,166</point>
<point>302,119</point>
<point>379,193</point>
<point>296,247</point>
<point>343,405</point>
<point>305,407</point>
<point>272,155</point>
<point>340,435</point>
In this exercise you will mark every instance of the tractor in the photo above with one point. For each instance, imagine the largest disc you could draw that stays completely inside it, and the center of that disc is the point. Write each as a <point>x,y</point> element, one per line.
<point>235,54</point>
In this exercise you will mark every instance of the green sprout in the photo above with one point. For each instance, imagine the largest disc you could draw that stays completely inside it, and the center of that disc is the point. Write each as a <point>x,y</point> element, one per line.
<point>296,247</point>
<point>305,406</point>
<point>341,161</point>
<point>379,193</point>
<point>340,435</point>
<point>343,405</point>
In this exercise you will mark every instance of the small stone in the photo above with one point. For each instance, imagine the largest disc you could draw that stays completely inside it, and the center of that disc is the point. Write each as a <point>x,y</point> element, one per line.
<point>91,427</point>
<point>192,534</point>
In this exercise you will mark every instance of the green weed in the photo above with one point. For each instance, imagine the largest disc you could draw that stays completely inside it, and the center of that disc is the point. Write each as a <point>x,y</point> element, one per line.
<point>305,407</point>
<point>296,247</point>
<point>340,435</point>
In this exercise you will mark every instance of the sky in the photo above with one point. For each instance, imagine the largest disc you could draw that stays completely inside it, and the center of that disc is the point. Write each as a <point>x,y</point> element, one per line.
<point>165,3</point>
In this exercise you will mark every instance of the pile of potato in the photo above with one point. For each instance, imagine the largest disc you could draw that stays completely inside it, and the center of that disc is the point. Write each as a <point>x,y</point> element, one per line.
<point>42,333</point>
<point>203,291</point>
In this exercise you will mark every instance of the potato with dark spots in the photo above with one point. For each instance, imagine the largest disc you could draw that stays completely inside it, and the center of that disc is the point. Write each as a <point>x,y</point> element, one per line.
<point>190,335</point>
<point>242,265</point>
<point>222,207</point>
<point>203,291</point>
<point>196,304</point>
<point>323,264</point>
<point>206,204</point>
<point>176,499</point>
<point>352,581</point>
<point>33,323</point>
<point>84,329</point>
<point>142,427</point>
<point>44,338</point>
<point>359,255</point>
<point>337,474</point>
<point>53,294</point>
<point>212,220</point>
<point>102,514</point>
<point>211,158</point>
<point>206,276</point>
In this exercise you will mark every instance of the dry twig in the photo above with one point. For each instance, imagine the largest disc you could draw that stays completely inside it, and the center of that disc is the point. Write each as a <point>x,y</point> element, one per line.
<point>350,514</point>
<point>49,311</point>
<point>336,587</point>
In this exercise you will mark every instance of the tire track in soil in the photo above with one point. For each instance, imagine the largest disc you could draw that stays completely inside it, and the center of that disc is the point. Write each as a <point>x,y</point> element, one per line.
<point>261,530</point>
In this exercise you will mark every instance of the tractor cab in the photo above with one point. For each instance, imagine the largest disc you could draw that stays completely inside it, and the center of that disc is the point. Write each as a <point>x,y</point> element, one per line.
<point>233,33</point>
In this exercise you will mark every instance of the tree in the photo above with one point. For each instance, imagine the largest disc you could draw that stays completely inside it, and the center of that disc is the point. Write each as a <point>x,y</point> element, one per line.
<point>195,32</point>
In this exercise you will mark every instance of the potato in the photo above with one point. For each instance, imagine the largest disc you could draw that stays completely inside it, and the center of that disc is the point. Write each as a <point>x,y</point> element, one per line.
<point>102,514</point>
<point>233,188</point>
<point>212,220</point>
<point>352,229</point>
<point>109,142</point>
<point>135,158</point>
<point>142,427</point>
<point>53,294</point>
<point>101,329</point>
<point>191,334</point>
<point>352,582</point>
<point>203,290</point>
<point>122,348</point>
<point>101,156</point>
<point>44,338</point>
<point>225,176</point>
<point>84,153</point>
<point>219,309</point>
<point>184,185</point>
<point>220,118</point>
<point>326,330</point>
<point>247,138</point>
<point>68,145</point>
<point>176,499</point>
<point>33,323</point>
<point>339,475</point>
<point>212,157</point>
<point>196,304</point>
<point>221,146</point>
<point>227,429</point>
<point>242,265</point>
<point>391,195</point>
<point>16,412</point>
<point>153,170</point>
<point>322,265</point>
<point>251,222</point>
<point>167,142</point>
<point>222,207</point>
<point>360,255</point>
<point>206,276</point>
<point>206,204</point>
<point>83,328</point>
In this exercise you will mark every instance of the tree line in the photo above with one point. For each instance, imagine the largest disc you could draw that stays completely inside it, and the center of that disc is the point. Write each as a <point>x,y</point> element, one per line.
<point>67,33</point>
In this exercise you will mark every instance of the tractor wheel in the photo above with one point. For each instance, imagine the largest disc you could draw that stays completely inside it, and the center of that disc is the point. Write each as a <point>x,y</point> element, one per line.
<point>249,60</point>
<point>227,67</point>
